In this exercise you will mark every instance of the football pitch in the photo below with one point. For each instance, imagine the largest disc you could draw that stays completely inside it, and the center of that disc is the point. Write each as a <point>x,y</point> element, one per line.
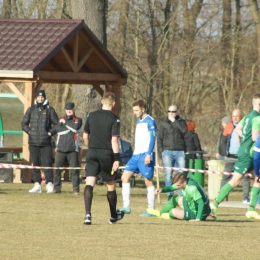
<point>50,226</point>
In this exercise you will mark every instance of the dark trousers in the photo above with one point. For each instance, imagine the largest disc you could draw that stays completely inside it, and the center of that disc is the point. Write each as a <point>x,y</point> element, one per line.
<point>41,155</point>
<point>72,158</point>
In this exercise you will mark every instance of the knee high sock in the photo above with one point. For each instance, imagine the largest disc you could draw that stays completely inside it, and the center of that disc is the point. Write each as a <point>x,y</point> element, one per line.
<point>151,197</point>
<point>126,190</point>
<point>254,197</point>
<point>172,203</point>
<point>88,196</point>
<point>223,193</point>
<point>112,200</point>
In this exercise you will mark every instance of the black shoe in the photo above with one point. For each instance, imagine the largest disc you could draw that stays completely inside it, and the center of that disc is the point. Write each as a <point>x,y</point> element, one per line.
<point>120,215</point>
<point>87,220</point>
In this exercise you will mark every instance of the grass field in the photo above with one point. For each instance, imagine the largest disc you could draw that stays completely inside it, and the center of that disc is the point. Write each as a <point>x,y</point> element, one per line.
<point>50,226</point>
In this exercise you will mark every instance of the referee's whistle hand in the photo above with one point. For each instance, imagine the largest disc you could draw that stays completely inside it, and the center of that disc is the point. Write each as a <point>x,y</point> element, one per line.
<point>115,166</point>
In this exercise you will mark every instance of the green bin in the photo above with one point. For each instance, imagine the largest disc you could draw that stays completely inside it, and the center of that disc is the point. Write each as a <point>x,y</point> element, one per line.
<point>197,164</point>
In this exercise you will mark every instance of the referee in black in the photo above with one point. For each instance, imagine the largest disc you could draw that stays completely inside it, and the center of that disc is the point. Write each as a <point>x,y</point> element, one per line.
<point>101,133</point>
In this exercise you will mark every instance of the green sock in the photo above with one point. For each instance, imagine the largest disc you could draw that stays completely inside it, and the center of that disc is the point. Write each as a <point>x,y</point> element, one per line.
<point>172,203</point>
<point>254,197</point>
<point>171,214</point>
<point>224,192</point>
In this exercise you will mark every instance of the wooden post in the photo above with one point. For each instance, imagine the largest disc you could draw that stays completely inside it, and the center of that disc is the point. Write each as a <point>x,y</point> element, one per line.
<point>29,95</point>
<point>157,171</point>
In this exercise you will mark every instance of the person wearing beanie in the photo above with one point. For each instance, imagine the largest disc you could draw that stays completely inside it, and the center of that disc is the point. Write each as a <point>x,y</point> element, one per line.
<point>67,147</point>
<point>224,121</point>
<point>37,122</point>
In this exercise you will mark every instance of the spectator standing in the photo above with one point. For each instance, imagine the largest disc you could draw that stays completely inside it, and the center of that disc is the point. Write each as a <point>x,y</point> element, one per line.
<point>224,121</point>
<point>229,148</point>
<point>248,129</point>
<point>37,122</point>
<point>192,142</point>
<point>171,144</point>
<point>142,160</point>
<point>67,147</point>
<point>101,133</point>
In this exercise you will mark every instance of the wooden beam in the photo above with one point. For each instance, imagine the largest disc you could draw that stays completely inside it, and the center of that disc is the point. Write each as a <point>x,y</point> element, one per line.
<point>98,89</point>
<point>97,51</point>
<point>107,85</point>
<point>83,82</point>
<point>33,80</point>
<point>29,95</point>
<point>84,59</point>
<point>54,65</point>
<point>38,85</point>
<point>16,91</point>
<point>76,52</point>
<point>116,89</point>
<point>24,74</point>
<point>50,75</point>
<point>68,58</point>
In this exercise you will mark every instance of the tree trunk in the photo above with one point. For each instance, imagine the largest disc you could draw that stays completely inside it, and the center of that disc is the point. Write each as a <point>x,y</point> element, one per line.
<point>93,13</point>
<point>122,28</point>
<point>253,6</point>
<point>7,9</point>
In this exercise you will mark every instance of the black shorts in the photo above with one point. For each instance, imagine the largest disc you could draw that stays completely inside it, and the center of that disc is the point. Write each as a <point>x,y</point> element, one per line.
<point>100,161</point>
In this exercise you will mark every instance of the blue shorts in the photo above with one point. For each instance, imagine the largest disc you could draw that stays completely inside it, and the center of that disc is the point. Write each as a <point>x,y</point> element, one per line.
<point>136,165</point>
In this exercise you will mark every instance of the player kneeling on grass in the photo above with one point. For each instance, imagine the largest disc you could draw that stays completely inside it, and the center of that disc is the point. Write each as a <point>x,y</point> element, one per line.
<point>193,205</point>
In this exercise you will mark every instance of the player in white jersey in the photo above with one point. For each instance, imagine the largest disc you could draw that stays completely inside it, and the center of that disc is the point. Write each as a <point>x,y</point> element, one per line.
<point>142,160</point>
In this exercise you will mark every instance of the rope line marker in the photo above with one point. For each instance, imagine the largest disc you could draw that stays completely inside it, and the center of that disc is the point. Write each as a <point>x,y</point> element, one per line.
<point>20,166</point>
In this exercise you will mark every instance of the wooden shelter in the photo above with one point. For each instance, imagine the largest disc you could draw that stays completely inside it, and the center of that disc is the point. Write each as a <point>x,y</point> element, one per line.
<point>34,52</point>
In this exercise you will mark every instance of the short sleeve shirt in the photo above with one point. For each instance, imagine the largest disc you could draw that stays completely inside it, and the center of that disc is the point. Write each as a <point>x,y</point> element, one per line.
<point>142,135</point>
<point>192,192</point>
<point>250,122</point>
<point>102,125</point>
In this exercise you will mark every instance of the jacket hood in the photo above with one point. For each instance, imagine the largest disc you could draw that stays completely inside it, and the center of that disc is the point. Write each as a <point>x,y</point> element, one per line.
<point>45,103</point>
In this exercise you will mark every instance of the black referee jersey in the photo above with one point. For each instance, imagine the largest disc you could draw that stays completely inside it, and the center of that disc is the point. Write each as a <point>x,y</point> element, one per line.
<point>101,125</point>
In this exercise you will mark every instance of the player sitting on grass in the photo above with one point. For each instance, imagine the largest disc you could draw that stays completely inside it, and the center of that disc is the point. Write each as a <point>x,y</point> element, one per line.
<point>193,205</point>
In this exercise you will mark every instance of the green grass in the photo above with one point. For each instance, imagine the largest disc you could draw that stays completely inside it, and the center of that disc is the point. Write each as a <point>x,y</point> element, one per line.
<point>50,226</point>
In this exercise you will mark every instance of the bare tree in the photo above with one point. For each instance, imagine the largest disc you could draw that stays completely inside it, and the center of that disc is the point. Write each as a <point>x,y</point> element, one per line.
<point>6,13</point>
<point>93,13</point>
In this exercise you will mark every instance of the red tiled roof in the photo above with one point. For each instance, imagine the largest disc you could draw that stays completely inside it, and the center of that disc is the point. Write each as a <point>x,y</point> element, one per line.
<point>42,45</point>
<point>24,44</point>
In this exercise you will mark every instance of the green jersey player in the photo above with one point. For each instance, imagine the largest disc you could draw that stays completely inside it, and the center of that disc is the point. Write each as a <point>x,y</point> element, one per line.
<point>248,129</point>
<point>193,205</point>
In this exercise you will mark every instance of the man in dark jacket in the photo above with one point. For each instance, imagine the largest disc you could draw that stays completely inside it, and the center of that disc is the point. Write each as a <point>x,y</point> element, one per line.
<point>171,144</point>
<point>67,147</point>
<point>37,122</point>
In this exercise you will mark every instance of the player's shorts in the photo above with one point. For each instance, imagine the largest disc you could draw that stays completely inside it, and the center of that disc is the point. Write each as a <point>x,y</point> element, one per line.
<point>189,214</point>
<point>136,165</point>
<point>100,161</point>
<point>243,164</point>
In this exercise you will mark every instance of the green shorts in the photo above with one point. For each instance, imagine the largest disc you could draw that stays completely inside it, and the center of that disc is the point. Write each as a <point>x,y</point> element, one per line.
<point>189,214</point>
<point>243,164</point>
